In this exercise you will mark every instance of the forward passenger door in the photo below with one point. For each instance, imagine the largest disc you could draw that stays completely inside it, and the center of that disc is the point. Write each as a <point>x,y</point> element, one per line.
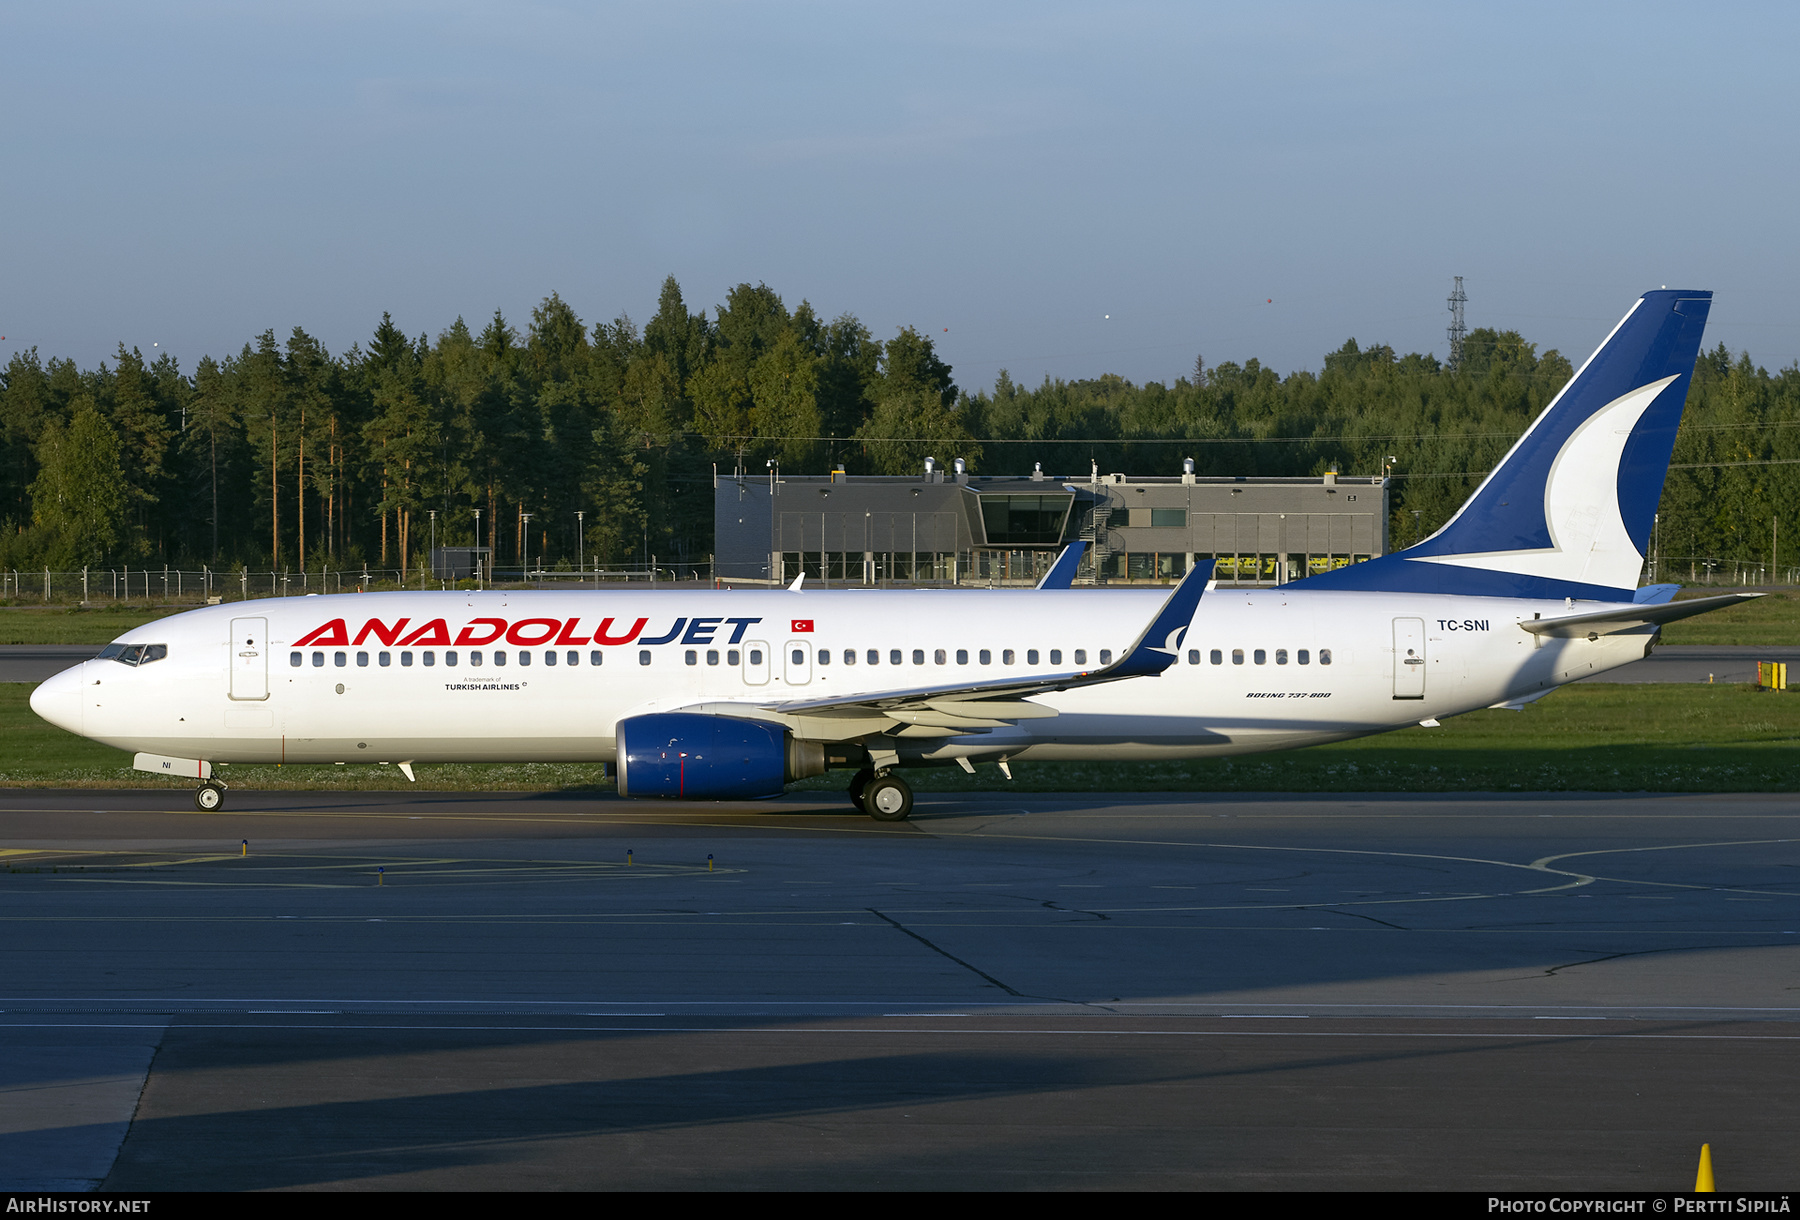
<point>249,654</point>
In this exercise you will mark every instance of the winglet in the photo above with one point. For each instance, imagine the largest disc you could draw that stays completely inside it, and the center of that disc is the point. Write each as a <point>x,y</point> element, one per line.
<point>1154,650</point>
<point>1062,573</point>
<point>798,581</point>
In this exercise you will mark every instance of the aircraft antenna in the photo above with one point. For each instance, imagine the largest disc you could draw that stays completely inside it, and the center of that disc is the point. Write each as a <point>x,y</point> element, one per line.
<point>1457,330</point>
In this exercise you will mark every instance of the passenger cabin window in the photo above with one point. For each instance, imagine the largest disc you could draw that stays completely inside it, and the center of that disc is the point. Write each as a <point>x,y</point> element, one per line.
<point>406,660</point>
<point>499,656</point>
<point>712,656</point>
<point>1260,656</point>
<point>1217,657</point>
<point>475,658</point>
<point>918,657</point>
<point>1106,656</point>
<point>595,656</point>
<point>1324,656</point>
<point>1081,656</point>
<point>318,660</point>
<point>384,659</point>
<point>340,659</point>
<point>691,657</point>
<point>756,656</point>
<point>550,656</point>
<point>644,656</point>
<point>962,656</point>
<point>294,659</point>
<point>849,656</point>
<point>1055,656</point>
<point>449,659</point>
<point>1281,656</point>
<point>1031,656</point>
<point>731,656</point>
<point>985,657</point>
<point>874,657</point>
<point>1006,656</point>
<point>362,660</point>
<point>1237,656</point>
<point>940,657</point>
<point>1303,656</point>
<point>799,657</point>
<point>825,656</point>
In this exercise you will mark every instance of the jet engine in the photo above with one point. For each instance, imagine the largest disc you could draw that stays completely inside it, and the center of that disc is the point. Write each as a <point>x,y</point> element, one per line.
<point>719,758</point>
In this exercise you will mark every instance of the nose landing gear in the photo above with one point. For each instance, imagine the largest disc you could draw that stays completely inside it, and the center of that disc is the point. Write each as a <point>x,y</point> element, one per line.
<point>209,796</point>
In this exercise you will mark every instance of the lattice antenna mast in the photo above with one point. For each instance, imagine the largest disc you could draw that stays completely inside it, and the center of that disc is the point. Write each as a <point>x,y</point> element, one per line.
<point>1457,330</point>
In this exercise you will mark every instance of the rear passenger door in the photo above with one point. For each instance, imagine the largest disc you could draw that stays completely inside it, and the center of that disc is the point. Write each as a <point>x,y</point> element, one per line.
<point>1409,658</point>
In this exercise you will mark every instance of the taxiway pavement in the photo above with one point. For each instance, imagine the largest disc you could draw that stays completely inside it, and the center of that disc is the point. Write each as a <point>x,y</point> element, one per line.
<point>479,991</point>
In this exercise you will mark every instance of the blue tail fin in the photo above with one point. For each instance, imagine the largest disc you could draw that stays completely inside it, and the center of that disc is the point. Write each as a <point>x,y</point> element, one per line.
<point>1567,513</point>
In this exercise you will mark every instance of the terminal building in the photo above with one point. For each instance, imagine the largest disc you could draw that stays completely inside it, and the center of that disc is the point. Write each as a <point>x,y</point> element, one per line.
<point>951,527</point>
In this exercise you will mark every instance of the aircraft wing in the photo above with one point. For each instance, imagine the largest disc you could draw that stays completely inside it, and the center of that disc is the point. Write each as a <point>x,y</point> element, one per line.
<point>1607,622</point>
<point>947,708</point>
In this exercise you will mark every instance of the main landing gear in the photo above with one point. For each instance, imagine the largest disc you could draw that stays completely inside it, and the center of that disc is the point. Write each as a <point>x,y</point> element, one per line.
<point>209,796</point>
<point>885,797</point>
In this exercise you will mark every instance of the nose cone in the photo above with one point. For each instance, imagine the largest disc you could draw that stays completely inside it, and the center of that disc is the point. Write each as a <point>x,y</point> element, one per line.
<point>59,700</point>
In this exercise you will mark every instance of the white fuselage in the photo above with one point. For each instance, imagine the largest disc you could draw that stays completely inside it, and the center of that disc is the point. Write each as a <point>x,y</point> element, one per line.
<point>1258,670</point>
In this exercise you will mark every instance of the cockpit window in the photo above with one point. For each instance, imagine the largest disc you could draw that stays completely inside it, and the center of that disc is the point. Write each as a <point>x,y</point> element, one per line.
<point>134,654</point>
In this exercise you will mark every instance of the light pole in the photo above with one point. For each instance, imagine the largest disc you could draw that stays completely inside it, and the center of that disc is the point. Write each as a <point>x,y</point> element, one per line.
<point>433,513</point>
<point>580,561</point>
<point>478,548</point>
<point>525,555</point>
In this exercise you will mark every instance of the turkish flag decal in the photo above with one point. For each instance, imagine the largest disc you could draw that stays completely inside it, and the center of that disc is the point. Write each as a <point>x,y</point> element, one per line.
<point>801,624</point>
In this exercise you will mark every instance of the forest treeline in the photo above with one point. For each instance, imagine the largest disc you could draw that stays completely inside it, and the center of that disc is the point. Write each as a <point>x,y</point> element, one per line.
<point>287,456</point>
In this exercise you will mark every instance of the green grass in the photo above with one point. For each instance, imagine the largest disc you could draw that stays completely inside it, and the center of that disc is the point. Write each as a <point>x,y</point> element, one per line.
<point>74,625</point>
<point>1587,738</point>
<point>1774,619</point>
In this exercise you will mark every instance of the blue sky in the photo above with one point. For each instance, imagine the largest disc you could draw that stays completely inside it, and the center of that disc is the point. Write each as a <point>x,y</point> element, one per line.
<point>1228,180</point>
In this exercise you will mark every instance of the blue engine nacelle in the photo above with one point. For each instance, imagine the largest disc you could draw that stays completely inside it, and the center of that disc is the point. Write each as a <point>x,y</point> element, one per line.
<point>714,758</point>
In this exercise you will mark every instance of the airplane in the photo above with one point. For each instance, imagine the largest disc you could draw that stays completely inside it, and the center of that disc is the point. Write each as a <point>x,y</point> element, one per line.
<point>732,694</point>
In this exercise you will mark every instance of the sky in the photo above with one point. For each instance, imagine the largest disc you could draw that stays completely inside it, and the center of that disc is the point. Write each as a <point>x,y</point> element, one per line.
<point>1059,190</point>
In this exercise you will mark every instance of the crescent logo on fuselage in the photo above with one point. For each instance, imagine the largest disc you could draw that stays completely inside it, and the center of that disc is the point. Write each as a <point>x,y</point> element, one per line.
<point>527,633</point>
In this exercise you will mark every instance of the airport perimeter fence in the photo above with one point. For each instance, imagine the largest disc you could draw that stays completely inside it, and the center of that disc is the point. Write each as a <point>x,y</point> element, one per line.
<point>187,586</point>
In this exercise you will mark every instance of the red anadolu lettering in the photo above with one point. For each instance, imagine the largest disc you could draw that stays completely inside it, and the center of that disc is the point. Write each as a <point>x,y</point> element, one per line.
<point>467,638</point>
<point>600,636</point>
<point>381,632</point>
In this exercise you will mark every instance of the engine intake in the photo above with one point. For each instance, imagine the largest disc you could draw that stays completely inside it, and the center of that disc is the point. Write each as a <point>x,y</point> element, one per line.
<point>720,758</point>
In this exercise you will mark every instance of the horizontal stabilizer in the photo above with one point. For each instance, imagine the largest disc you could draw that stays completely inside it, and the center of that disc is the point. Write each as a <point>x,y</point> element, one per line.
<point>1607,622</point>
